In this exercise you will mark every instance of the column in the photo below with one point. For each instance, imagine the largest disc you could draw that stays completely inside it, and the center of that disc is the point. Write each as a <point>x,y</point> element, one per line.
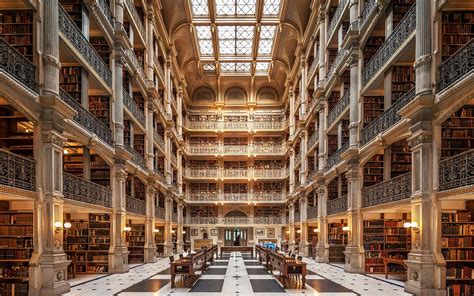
<point>304,159</point>
<point>179,108</point>
<point>168,248</point>
<point>322,136</point>
<point>168,88</point>
<point>150,246</point>
<point>322,247</point>
<point>303,92</point>
<point>180,171</point>
<point>149,155</point>
<point>322,47</point>
<point>292,171</point>
<point>303,226</point>
<point>167,159</point>
<point>291,226</point>
<point>180,241</point>
<point>292,112</point>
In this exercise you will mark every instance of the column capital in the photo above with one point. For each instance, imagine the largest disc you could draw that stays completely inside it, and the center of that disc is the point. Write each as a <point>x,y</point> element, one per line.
<point>54,137</point>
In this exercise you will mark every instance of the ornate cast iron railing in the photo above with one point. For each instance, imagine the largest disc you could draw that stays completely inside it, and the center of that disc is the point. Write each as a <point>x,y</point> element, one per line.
<point>105,10</point>
<point>160,213</point>
<point>82,190</point>
<point>457,171</point>
<point>457,65</point>
<point>87,120</point>
<point>158,65</point>
<point>74,35</point>
<point>233,220</point>
<point>369,10</point>
<point>136,64</point>
<point>313,139</point>
<point>337,15</point>
<point>337,205</point>
<point>135,205</point>
<point>267,197</point>
<point>15,64</point>
<point>136,17</point>
<point>336,63</point>
<point>160,174</point>
<point>340,106</point>
<point>17,171</point>
<point>387,119</point>
<point>312,213</point>
<point>133,107</point>
<point>137,158</point>
<point>395,189</point>
<point>401,32</point>
<point>202,197</point>
<point>335,158</point>
<point>158,139</point>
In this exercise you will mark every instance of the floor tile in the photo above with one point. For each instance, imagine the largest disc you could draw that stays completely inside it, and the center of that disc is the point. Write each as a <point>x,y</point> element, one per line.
<point>266,286</point>
<point>207,286</point>
<point>148,286</point>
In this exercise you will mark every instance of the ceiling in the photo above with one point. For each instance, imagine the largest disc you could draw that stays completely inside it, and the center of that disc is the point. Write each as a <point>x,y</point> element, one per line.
<point>217,41</point>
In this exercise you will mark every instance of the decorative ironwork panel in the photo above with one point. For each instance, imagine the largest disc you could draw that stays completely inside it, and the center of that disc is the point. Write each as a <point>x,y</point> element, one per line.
<point>202,197</point>
<point>371,9</point>
<point>339,108</point>
<point>82,190</point>
<point>457,171</point>
<point>314,138</point>
<point>174,217</point>
<point>457,66</point>
<point>15,64</point>
<point>136,17</point>
<point>336,17</point>
<point>82,45</point>
<point>160,213</point>
<point>337,205</point>
<point>335,158</point>
<point>17,171</point>
<point>158,139</point>
<point>105,10</point>
<point>341,55</point>
<point>135,205</point>
<point>137,158</point>
<point>136,64</point>
<point>387,119</point>
<point>401,32</point>
<point>395,189</point>
<point>87,120</point>
<point>133,108</point>
<point>236,196</point>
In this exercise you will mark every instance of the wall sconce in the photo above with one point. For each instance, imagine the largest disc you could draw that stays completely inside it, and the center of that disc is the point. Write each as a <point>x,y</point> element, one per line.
<point>59,225</point>
<point>413,225</point>
<point>184,231</point>
<point>288,232</point>
<point>298,231</point>
<point>345,228</point>
<point>173,231</point>
<point>156,230</point>
<point>127,228</point>
<point>316,230</point>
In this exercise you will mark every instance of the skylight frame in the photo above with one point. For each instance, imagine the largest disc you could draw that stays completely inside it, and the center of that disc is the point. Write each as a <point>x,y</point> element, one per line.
<point>235,40</point>
<point>234,8</point>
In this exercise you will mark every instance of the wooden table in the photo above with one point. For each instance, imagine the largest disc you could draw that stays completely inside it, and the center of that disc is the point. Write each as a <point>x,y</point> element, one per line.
<point>263,254</point>
<point>393,261</point>
<point>229,249</point>
<point>188,265</point>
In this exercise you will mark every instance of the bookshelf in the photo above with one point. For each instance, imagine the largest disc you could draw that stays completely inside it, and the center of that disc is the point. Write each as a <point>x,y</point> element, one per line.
<point>139,143</point>
<point>337,239</point>
<point>267,187</point>
<point>127,140</point>
<point>70,81</point>
<point>16,247</point>
<point>399,8</point>
<point>73,161</point>
<point>16,27</point>
<point>100,171</point>
<point>371,46</point>
<point>403,80</point>
<point>344,131</point>
<point>203,211</point>
<point>333,99</point>
<point>373,108</point>
<point>203,141</point>
<point>160,239</point>
<point>135,241</point>
<point>332,144</point>
<point>344,184</point>
<point>332,54</point>
<point>346,80</point>
<point>268,164</point>
<point>208,188</point>
<point>202,164</point>
<point>235,188</point>
<point>99,106</point>
<point>400,158</point>
<point>87,243</point>
<point>16,132</point>
<point>373,170</point>
<point>74,9</point>
<point>140,54</point>
<point>267,212</point>
<point>100,45</point>
<point>385,238</point>
<point>138,98</point>
<point>457,30</point>
<point>457,241</point>
<point>457,132</point>
<point>333,189</point>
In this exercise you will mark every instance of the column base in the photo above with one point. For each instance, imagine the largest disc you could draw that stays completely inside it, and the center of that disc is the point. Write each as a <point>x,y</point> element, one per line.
<point>48,274</point>
<point>303,249</point>
<point>355,260</point>
<point>168,249</point>
<point>180,247</point>
<point>322,253</point>
<point>150,253</point>
<point>421,275</point>
<point>118,260</point>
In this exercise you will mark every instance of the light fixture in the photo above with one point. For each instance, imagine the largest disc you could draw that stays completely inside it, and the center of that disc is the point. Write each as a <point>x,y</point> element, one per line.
<point>127,228</point>
<point>65,151</point>
<point>413,225</point>
<point>298,231</point>
<point>156,230</point>
<point>316,230</point>
<point>288,231</point>
<point>184,231</point>
<point>172,231</point>
<point>58,225</point>
<point>67,225</point>
<point>345,228</point>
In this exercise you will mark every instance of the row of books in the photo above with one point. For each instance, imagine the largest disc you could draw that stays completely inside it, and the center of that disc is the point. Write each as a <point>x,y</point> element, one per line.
<point>460,216</point>
<point>457,242</point>
<point>458,254</point>
<point>16,230</point>
<point>463,229</point>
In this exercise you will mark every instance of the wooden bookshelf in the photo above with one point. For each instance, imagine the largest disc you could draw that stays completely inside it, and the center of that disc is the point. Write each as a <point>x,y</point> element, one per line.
<point>70,81</point>
<point>73,161</point>
<point>332,144</point>
<point>135,241</point>
<point>267,187</point>
<point>202,164</point>
<point>457,132</point>
<point>74,9</point>
<point>333,99</point>
<point>235,188</point>
<point>371,46</point>
<point>203,211</point>
<point>344,131</point>
<point>16,247</point>
<point>267,211</point>
<point>160,240</point>
<point>346,80</point>
<point>333,189</point>
<point>206,188</point>
<point>203,141</point>
<point>87,243</point>
<point>344,184</point>
<point>457,30</point>
<point>457,239</point>
<point>127,140</point>
<point>100,170</point>
<point>337,239</point>
<point>268,164</point>
<point>16,132</point>
<point>400,158</point>
<point>399,9</point>
<point>403,80</point>
<point>100,45</point>
<point>16,27</point>
<point>373,108</point>
<point>139,143</point>
<point>373,170</point>
<point>138,98</point>
<point>99,106</point>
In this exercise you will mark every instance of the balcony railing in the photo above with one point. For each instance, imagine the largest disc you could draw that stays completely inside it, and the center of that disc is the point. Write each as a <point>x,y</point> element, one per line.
<point>104,9</point>
<point>15,64</point>
<point>202,220</point>
<point>202,197</point>
<point>235,125</point>
<point>136,17</point>
<point>312,213</point>
<point>17,171</point>
<point>160,213</point>
<point>173,157</point>
<point>75,37</point>
<point>201,173</point>
<point>313,67</point>
<point>339,108</point>
<point>267,173</point>
<point>370,9</point>
<point>158,66</point>
<point>236,149</point>
<point>203,149</point>
<point>313,139</point>
<point>236,196</point>
<point>137,158</point>
<point>87,120</point>
<point>336,17</point>
<point>267,196</point>
<point>85,191</point>
<point>158,139</point>
<point>333,69</point>
<point>395,189</point>
<point>337,205</point>
<point>457,171</point>
<point>233,220</point>
<point>136,64</point>
<point>160,173</point>
<point>399,35</point>
<point>135,205</point>
<point>133,108</point>
<point>457,66</point>
<point>312,173</point>
<point>237,173</point>
<point>387,119</point>
<point>335,158</point>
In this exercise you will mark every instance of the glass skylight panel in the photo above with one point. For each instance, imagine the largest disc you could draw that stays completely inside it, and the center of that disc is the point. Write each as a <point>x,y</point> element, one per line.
<point>267,35</point>
<point>205,47</point>
<point>271,7</point>
<point>199,7</point>
<point>230,67</point>
<point>209,67</point>
<point>235,40</point>
<point>262,66</point>
<point>204,36</point>
<point>235,7</point>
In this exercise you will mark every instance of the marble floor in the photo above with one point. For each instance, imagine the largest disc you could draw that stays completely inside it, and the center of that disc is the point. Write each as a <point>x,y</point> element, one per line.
<point>235,274</point>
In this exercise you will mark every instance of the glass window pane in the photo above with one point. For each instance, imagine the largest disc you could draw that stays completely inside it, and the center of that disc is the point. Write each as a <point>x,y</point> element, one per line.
<point>199,7</point>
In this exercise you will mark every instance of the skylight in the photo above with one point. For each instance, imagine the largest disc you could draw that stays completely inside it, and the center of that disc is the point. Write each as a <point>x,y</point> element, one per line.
<point>235,7</point>
<point>267,35</point>
<point>204,36</point>
<point>271,7</point>
<point>209,67</point>
<point>229,67</point>
<point>199,7</point>
<point>235,40</point>
<point>262,66</point>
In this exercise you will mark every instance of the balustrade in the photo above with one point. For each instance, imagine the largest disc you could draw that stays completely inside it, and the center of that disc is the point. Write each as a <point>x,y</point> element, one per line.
<point>339,108</point>
<point>370,9</point>
<point>133,108</point>
<point>137,158</point>
<point>159,139</point>
<point>312,213</point>
<point>237,173</point>
<point>313,139</point>
<point>265,173</point>
<point>236,196</point>
<point>173,157</point>
<point>337,205</point>
<point>136,17</point>
<point>82,190</point>
<point>158,66</point>
<point>104,9</point>
<point>268,196</point>
<point>335,158</point>
<point>391,190</point>
<point>17,171</point>
<point>135,205</point>
<point>201,173</point>
<point>457,66</point>
<point>233,220</point>
<point>236,125</point>
<point>202,197</point>
<point>15,64</point>
<point>336,17</point>
<point>457,171</point>
<point>333,69</point>
<point>160,213</point>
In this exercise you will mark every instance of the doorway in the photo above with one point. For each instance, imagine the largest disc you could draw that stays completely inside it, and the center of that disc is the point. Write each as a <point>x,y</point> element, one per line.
<point>231,234</point>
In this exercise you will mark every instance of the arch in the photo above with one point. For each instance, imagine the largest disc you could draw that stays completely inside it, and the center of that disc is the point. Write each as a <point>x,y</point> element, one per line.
<point>235,213</point>
<point>267,94</point>
<point>235,94</point>
<point>204,94</point>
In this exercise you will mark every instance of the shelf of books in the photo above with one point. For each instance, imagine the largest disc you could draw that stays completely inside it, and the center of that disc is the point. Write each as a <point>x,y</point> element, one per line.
<point>403,80</point>
<point>385,237</point>
<point>16,134</point>
<point>135,240</point>
<point>337,239</point>
<point>16,27</point>
<point>399,9</point>
<point>373,170</point>
<point>70,81</point>
<point>400,158</point>
<point>373,108</point>
<point>457,132</point>
<point>457,30</point>
<point>457,241</point>
<point>16,247</point>
<point>87,243</point>
<point>160,240</point>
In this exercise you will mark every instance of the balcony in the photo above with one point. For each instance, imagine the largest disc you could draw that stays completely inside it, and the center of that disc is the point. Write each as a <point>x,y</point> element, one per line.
<point>457,66</point>
<point>268,149</point>
<point>135,205</point>
<point>158,139</point>
<point>312,69</point>
<point>132,107</point>
<point>202,220</point>
<point>158,172</point>
<point>202,197</point>
<point>338,110</point>
<point>82,190</point>
<point>87,120</point>
<point>202,173</point>
<point>369,13</point>
<point>73,36</point>
<point>159,67</point>
<point>312,213</point>
<point>236,149</point>
<point>313,139</point>
<point>235,173</point>
<point>137,158</point>
<point>211,149</point>
<point>269,174</point>
<point>337,205</point>
<point>402,32</point>
<point>17,66</point>
<point>17,171</point>
<point>336,17</point>
<point>234,220</point>
<point>235,125</point>
<point>335,158</point>
<point>160,213</point>
<point>173,157</point>
<point>242,197</point>
<point>136,20</point>
<point>395,189</point>
<point>268,196</point>
<point>386,120</point>
<point>137,67</point>
<point>337,64</point>
<point>103,14</point>
<point>457,171</point>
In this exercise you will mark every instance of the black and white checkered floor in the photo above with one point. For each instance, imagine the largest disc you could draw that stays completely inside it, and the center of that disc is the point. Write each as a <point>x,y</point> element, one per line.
<point>235,274</point>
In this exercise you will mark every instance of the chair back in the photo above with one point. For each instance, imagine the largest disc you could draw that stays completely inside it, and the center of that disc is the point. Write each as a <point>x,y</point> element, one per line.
<point>171,259</point>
